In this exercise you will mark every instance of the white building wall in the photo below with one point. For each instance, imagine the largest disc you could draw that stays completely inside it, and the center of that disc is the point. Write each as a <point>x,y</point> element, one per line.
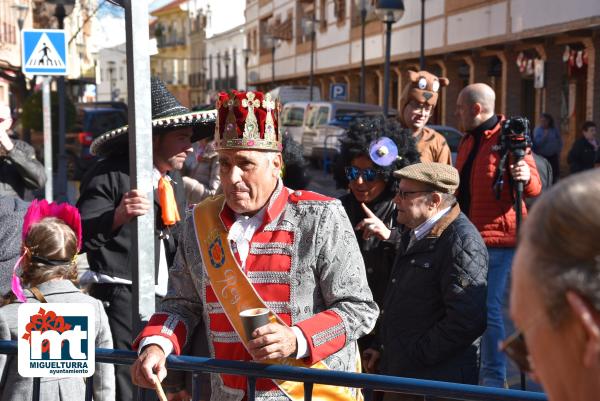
<point>119,76</point>
<point>226,43</point>
<point>527,14</point>
<point>483,22</point>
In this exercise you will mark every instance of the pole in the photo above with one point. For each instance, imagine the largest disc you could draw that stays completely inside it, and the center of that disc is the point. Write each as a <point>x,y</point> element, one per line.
<point>47,138</point>
<point>61,179</point>
<point>246,72</point>
<point>110,72</point>
<point>386,69</point>
<point>273,65</point>
<point>26,133</point>
<point>363,19</point>
<point>227,75</point>
<point>313,35</point>
<point>140,158</point>
<point>422,58</point>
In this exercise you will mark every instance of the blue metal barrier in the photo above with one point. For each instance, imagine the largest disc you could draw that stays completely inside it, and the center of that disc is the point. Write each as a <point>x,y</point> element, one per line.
<point>367,382</point>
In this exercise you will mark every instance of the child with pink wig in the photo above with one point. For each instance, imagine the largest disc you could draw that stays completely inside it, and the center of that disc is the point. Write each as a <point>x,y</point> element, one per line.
<point>47,272</point>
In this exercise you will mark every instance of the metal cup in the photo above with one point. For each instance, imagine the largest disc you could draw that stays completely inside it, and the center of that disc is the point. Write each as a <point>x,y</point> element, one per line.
<point>254,318</point>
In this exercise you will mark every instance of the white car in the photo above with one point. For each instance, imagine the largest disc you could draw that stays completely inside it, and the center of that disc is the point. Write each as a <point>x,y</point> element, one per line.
<point>327,121</point>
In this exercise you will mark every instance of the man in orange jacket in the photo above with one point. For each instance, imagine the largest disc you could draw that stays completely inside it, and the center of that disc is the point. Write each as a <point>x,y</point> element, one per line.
<point>494,217</point>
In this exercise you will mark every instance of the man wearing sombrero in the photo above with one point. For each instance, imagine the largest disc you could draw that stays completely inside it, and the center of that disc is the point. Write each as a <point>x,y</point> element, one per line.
<point>262,246</point>
<point>108,204</point>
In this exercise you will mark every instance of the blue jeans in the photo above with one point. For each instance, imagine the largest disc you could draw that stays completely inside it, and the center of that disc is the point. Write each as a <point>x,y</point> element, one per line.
<point>493,361</point>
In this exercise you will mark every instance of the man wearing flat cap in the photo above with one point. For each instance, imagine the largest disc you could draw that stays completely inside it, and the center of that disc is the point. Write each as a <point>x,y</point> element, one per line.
<point>434,311</point>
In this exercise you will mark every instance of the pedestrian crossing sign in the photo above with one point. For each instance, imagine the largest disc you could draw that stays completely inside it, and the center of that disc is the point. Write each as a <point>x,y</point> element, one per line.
<point>44,52</point>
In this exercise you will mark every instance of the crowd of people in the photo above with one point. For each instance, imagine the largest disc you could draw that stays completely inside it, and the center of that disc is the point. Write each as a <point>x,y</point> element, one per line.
<point>407,274</point>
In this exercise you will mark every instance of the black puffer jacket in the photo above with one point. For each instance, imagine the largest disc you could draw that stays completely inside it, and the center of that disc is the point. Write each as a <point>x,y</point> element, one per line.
<point>435,306</point>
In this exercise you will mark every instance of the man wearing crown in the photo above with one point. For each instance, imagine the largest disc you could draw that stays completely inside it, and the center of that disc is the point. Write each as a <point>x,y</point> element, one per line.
<point>262,245</point>
<point>108,204</point>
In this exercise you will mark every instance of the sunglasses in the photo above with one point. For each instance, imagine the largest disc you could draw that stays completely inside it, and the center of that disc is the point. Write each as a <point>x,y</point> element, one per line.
<point>367,174</point>
<point>516,349</point>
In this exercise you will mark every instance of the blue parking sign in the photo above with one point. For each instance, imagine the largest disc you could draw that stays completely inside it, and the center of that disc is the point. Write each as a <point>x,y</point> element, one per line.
<point>44,52</point>
<point>338,91</point>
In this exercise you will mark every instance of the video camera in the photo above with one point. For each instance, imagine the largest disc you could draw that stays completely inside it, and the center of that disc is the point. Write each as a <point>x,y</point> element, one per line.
<point>514,140</point>
<point>515,137</point>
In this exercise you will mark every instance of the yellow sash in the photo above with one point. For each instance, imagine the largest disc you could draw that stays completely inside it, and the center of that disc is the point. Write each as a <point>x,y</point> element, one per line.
<point>235,294</point>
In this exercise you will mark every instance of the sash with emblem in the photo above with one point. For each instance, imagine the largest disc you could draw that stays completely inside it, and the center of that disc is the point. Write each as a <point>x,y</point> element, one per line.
<point>235,294</point>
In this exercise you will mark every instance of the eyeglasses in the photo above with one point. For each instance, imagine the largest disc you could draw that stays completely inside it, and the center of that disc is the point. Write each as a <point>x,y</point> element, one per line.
<point>368,174</point>
<point>404,194</point>
<point>420,106</point>
<point>516,349</point>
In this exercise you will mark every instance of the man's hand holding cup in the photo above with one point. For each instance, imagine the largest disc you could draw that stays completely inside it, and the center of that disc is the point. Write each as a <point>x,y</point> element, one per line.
<point>267,340</point>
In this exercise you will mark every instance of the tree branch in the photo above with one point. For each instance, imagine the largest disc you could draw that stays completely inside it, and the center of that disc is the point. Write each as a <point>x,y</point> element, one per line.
<point>86,21</point>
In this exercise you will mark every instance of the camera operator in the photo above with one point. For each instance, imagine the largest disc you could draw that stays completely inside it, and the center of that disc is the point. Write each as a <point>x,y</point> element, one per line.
<point>491,207</point>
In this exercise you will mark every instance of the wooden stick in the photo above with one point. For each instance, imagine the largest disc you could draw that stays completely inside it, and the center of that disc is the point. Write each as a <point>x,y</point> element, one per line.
<point>158,388</point>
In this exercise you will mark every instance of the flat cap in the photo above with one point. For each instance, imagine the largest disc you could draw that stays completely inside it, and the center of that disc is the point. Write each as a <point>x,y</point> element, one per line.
<point>440,176</point>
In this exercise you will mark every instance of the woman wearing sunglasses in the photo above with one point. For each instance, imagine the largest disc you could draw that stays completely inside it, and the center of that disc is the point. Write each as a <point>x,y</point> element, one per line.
<point>555,296</point>
<point>371,192</point>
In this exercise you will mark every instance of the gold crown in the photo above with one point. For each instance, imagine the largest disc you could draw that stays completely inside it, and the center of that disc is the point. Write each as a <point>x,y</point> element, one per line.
<point>247,120</point>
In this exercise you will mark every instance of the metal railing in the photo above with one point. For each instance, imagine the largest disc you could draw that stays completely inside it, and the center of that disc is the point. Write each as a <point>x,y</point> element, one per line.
<point>368,382</point>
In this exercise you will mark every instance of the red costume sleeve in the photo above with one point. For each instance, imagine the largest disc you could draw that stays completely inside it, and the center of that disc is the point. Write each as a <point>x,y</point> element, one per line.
<point>164,325</point>
<point>325,334</point>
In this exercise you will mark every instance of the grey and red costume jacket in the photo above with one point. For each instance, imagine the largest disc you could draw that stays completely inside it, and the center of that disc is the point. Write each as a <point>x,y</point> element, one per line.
<point>305,264</point>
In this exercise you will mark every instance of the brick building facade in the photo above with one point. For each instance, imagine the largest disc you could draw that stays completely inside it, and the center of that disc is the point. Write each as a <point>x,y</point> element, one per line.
<point>499,42</point>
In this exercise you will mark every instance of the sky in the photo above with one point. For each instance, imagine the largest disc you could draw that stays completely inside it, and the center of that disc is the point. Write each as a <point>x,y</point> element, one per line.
<point>110,31</point>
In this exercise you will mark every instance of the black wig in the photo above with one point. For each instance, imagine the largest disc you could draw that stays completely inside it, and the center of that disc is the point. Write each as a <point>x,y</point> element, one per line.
<point>358,138</point>
<point>295,167</point>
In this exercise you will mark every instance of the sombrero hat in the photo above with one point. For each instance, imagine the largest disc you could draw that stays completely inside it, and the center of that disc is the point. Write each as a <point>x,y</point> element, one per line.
<point>167,114</point>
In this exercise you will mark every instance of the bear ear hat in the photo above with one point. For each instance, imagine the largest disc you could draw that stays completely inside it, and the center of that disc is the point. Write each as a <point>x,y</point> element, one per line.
<point>443,81</point>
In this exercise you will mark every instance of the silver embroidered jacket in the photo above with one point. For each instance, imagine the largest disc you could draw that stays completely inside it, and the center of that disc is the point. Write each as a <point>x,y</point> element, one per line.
<point>304,262</point>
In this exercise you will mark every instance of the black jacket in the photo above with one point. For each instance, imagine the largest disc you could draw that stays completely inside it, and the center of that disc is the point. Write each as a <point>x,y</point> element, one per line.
<point>378,255</point>
<point>435,307</point>
<point>544,169</point>
<point>101,191</point>
<point>582,156</point>
<point>20,170</point>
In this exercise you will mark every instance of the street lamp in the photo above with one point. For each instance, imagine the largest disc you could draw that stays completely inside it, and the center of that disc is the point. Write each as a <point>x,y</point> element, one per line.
<point>364,10</point>
<point>273,43</point>
<point>111,69</point>
<point>62,9</point>
<point>246,52</point>
<point>308,25</point>
<point>226,60</point>
<point>389,11</point>
<point>21,10</point>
